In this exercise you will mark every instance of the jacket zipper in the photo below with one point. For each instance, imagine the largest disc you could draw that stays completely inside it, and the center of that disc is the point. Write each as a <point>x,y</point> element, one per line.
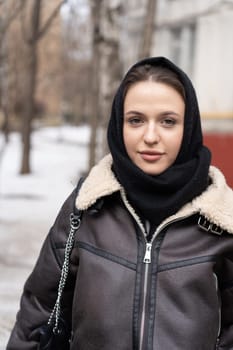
<point>147,257</point>
<point>147,262</point>
<point>143,316</point>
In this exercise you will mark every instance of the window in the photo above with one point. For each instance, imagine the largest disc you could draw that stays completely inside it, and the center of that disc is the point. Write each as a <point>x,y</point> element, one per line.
<point>176,42</point>
<point>182,46</point>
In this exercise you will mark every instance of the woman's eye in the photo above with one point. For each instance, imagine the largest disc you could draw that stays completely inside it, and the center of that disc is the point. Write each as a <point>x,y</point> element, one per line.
<point>169,121</point>
<point>135,121</point>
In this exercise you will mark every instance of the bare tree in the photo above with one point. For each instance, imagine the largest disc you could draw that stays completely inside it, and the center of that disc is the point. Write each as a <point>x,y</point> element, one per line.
<point>111,65</point>
<point>106,63</point>
<point>8,12</point>
<point>95,76</point>
<point>33,31</point>
<point>76,57</point>
<point>148,29</point>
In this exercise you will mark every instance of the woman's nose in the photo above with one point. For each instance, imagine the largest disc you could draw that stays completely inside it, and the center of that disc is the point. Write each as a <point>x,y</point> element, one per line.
<point>151,135</point>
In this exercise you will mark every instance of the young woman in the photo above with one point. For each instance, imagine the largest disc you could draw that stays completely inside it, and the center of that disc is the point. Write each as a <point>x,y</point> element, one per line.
<point>152,264</point>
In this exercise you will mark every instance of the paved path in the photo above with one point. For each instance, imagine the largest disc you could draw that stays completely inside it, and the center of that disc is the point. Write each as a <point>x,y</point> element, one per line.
<point>29,204</point>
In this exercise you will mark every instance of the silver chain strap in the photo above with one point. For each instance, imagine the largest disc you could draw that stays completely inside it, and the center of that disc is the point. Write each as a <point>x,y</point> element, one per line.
<point>75,221</point>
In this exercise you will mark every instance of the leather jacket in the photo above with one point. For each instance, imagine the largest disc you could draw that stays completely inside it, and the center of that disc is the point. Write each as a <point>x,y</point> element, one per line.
<point>127,293</point>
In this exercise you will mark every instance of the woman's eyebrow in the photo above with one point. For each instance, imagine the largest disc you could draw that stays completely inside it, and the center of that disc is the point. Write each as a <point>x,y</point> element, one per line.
<point>133,112</point>
<point>162,113</point>
<point>170,112</point>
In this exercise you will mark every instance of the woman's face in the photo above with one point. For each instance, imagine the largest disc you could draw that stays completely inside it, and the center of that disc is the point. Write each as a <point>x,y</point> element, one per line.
<point>153,125</point>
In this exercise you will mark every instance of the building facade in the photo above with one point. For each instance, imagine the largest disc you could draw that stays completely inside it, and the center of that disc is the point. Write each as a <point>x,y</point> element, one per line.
<point>197,36</point>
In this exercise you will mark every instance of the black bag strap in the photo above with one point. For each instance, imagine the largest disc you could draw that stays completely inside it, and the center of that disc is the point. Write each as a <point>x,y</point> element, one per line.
<point>75,221</point>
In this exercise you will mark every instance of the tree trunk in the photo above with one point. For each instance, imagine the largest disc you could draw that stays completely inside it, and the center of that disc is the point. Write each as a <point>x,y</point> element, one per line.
<point>111,67</point>
<point>4,106</point>
<point>107,70</point>
<point>29,109</point>
<point>30,87</point>
<point>32,34</point>
<point>95,78</point>
<point>148,29</point>
<point>5,124</point>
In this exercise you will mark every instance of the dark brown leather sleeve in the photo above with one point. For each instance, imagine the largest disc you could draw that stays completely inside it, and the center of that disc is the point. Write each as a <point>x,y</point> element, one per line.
<point>40,290</point>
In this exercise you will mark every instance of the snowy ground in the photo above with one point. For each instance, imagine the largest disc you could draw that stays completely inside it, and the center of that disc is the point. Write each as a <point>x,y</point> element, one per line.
<point>29,204</point>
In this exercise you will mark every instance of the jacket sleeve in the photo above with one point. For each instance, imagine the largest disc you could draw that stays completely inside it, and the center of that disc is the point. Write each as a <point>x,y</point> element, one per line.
<point>40,290</point>
<point>226,333</point>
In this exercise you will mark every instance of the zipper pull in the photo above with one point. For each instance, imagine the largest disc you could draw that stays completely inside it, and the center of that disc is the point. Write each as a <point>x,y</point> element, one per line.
<point>147,256</point>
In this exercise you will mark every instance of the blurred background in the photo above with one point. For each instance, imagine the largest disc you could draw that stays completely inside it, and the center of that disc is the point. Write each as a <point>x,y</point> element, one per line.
<point>60,65</point>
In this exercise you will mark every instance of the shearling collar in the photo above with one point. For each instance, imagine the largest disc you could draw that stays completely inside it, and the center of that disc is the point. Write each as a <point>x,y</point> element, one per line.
<point>100,182</point>
<point>215,204</point>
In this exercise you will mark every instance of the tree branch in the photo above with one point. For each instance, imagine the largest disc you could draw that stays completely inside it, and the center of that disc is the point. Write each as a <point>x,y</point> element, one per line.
<point>10,18</point>
<point>148,28</point>
<point>35,21</point>
<point>50,19</point>
<point>23,21</point>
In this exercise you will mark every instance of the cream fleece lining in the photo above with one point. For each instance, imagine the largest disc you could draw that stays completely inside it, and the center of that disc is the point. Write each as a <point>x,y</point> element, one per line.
<point>215,204</point>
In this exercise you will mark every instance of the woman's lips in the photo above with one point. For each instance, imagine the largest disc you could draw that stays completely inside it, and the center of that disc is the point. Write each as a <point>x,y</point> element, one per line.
<point>151,156</point>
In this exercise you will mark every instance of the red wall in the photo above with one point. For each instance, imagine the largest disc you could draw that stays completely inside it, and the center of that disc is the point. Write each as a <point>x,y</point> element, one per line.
<point>221,146</point>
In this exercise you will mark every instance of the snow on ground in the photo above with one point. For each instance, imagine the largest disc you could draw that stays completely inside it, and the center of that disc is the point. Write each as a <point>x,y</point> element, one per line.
<point>29,204</point>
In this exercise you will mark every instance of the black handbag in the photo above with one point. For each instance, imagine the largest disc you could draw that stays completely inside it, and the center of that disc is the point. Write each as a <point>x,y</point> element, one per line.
<point>56,333</point>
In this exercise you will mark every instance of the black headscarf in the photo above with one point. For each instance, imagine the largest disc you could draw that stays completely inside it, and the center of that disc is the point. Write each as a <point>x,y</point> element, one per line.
<point>155,197</point>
